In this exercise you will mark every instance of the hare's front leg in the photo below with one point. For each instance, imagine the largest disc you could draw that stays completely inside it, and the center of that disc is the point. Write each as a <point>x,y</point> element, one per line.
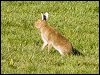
<point>44,45</point>
<point>49,47</point>
<point>45,42</point>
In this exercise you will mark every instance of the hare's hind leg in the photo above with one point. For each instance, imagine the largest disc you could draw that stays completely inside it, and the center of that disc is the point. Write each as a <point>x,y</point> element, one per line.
<point>61,53</point>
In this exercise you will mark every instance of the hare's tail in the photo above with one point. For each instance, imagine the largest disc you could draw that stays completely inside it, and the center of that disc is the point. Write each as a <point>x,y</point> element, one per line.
<point>76,52</point>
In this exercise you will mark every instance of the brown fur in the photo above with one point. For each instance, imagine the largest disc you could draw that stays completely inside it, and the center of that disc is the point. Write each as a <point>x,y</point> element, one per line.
<point>53,38</point>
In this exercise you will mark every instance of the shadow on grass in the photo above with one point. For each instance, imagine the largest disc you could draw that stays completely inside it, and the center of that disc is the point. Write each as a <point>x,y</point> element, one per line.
<point>76,52</point>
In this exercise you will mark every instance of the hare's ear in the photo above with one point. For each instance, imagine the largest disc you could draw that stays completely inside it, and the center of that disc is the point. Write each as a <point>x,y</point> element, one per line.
<point>44,16</point>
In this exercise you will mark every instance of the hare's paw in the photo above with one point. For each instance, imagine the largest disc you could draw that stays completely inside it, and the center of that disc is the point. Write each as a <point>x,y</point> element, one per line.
<point>44,45</point>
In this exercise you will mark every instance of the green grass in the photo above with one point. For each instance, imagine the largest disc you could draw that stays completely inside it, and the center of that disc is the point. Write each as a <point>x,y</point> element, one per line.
<point>21,41</point>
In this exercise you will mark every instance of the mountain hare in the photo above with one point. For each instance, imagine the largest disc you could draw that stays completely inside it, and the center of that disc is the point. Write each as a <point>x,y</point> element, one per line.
<point>52,38</point>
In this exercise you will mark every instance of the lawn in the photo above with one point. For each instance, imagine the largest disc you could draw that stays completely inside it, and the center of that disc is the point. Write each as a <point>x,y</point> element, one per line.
<point>21,42</point>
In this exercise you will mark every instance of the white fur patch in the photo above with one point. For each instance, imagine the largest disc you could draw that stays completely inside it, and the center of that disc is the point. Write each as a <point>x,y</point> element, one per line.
<point>46,14</point>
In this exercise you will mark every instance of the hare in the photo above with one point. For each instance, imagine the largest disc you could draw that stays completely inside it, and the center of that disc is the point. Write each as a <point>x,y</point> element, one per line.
<point>52,38</point>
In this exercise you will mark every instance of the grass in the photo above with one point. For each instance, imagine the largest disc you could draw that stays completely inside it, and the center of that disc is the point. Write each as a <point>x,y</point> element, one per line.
<point>21,42</point>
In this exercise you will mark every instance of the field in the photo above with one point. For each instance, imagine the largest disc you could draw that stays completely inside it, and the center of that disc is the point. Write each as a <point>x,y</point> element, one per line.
<point>21,42</point>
